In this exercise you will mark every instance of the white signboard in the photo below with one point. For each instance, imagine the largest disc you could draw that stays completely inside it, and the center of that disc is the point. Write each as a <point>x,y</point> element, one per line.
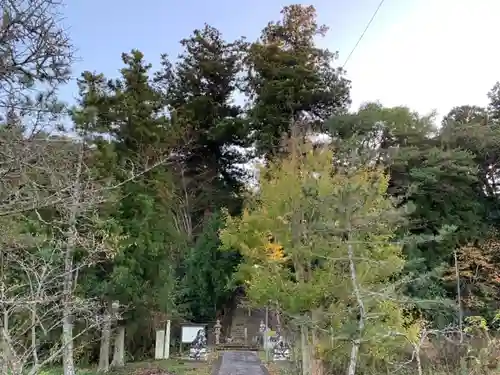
<point>189,333</point>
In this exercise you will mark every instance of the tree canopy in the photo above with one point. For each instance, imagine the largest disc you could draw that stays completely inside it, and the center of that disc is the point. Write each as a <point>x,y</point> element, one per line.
<point>142,193</point>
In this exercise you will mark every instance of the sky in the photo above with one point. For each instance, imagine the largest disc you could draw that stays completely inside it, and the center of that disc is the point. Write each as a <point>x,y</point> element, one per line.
<point>425,54</point>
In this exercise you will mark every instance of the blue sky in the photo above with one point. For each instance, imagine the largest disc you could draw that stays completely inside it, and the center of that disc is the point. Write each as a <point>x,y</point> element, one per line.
<point>419,53</point>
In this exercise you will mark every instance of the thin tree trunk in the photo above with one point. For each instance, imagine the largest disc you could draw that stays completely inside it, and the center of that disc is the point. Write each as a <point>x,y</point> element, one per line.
<point>316,363</point>
<point>67,334</point>
<point>105,342</point>
<point>6,355</point>
<point>71,238</point>
<point>8,360</point>
<point>419,362</point>
<point>351,370</point>
<point>305,349</point>
<point>459,299</point>
<point>119,348</point>
<point>34,350</point>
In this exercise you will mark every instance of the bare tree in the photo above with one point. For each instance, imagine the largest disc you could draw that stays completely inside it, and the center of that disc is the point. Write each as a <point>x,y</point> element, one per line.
<point>32,307</point>
<point>46,180</point>
<point>50,181</point>
<point>63,198</point>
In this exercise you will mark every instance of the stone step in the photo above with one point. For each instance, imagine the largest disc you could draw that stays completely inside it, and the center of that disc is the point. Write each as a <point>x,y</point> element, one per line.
<point>242,321</point>
<point>237,346</point>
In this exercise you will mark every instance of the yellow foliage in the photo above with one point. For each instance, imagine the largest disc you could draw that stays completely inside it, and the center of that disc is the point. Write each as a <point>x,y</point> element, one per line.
<point>308,207</point>
<point>275,252</point>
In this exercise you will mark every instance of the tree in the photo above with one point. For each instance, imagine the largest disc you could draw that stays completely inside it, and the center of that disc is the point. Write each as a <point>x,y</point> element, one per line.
<point>208,272</point>
<point>55,233</point>
<point>337,232</point>
<point>36,58</point>
<point>290,79</point>
<point>130,110</point>
<point>200,90</point>
<point>476,130</point>
<point>436,177</point>
<point>131,131</point>
<point>478,276</point>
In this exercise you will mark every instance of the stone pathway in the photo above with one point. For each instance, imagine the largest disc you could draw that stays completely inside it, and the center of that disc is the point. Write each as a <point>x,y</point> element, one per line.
<point>241,363</point>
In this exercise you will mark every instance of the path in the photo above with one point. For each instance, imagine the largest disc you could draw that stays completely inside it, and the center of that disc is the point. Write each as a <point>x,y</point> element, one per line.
<point>241,363</point>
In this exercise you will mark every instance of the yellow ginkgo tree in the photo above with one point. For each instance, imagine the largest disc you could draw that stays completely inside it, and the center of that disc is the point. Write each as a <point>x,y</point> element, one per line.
<point>321,244</point>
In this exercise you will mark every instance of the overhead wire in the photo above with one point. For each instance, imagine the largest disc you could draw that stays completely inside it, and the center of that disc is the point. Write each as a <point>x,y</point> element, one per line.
<point>363,33</point>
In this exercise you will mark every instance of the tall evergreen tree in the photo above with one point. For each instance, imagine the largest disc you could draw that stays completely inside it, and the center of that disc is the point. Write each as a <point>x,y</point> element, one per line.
<point>126,119</point>
<point>290,78</point>
<point>200,90</point>
<point>208,272</point>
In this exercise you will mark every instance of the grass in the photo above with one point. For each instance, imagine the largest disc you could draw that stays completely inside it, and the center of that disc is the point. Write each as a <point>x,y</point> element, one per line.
<point>152,367</point>
<point>175,366</point>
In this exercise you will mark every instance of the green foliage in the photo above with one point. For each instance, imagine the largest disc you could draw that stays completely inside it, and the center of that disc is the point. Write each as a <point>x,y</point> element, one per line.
<point>437,178</point>
<point>199,91</point>
<point>162,160</point>
<point>125,120</point>
<point>317,216</point>
<point>290,77</point>
<point>208,272</point>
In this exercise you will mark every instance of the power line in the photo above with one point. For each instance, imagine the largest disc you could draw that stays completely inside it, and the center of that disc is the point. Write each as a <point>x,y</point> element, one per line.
<point>363,34</point>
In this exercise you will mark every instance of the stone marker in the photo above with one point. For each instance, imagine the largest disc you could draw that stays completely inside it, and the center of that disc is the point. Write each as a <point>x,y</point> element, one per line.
<point>160,344</point>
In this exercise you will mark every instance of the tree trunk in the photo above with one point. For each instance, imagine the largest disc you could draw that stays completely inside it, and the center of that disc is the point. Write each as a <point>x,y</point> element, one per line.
<point>105,342</point>
<point>67,320</point>
<point>6,354</point>
<point>305,349</point>
<point>316,363</point>
<point>353,360</point>
<point>71,240</point>
<point>34,349</point>
<point>119,348</point>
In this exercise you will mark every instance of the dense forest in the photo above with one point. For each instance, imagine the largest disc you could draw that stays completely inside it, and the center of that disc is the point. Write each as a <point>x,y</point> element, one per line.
<point>140,193</point>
